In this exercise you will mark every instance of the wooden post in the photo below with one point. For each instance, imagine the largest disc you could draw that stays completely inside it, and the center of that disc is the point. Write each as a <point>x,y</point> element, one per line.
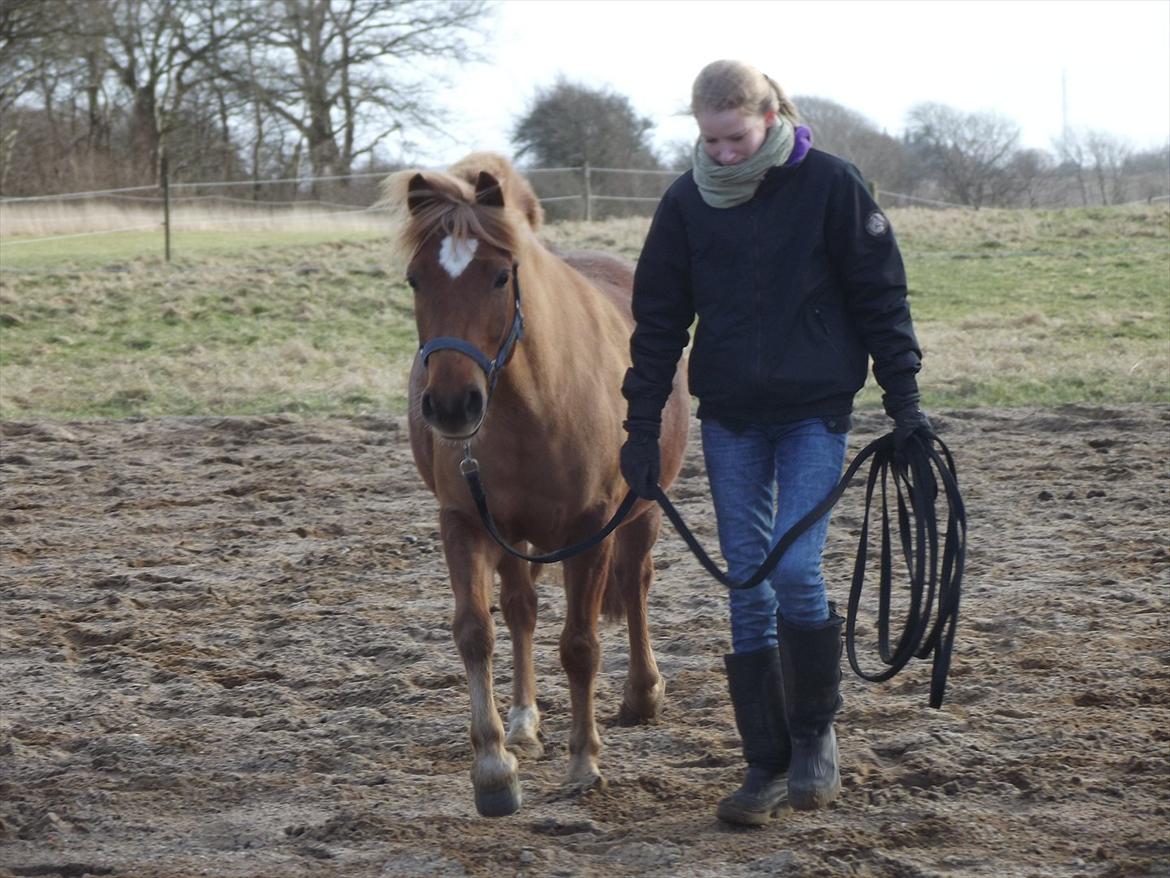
<point>588,196</point>
<point>164,172</point>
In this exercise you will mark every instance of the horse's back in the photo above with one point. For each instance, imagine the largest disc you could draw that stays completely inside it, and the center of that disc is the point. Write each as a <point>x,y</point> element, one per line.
<point>518,192</point>
<point>612,275</point>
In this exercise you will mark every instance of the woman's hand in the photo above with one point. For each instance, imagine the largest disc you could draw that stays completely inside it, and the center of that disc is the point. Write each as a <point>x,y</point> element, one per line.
<point>908,420</point>
<point>640,461</point>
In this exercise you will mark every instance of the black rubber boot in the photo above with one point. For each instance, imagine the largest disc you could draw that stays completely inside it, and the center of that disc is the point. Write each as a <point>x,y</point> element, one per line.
<point>811,658</point>
<point>757,694</point>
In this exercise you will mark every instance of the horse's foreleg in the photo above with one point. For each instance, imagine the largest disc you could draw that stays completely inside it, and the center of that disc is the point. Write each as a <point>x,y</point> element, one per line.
<point>518,601</point>
<point>471,562</point>
<point>585,578</point>
<point>642,698</point>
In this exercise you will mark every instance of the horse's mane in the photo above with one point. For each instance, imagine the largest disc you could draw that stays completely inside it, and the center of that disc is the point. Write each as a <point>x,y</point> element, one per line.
<point>449,206</point>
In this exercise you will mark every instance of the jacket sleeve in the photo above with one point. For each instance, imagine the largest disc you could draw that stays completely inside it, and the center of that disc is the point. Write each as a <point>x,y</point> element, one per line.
<point>663,311</point>
<point>869,266</point>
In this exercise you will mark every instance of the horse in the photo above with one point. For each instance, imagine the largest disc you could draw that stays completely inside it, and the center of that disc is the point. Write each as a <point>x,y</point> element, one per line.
<point>545,420</point>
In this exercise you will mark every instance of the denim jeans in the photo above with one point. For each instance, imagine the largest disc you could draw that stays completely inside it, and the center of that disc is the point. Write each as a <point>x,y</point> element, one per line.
<point>763,480</point>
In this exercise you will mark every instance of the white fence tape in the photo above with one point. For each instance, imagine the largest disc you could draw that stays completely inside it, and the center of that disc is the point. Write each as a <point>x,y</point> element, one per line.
<point>42,239</point>
<point>333,208</point>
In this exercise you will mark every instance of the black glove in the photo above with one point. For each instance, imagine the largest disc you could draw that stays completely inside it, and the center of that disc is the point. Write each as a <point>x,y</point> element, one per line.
<point>908,420</point>
<point>641,465</point>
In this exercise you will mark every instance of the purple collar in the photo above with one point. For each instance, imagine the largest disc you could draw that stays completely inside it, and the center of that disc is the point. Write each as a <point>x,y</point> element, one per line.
<point>802,143</point>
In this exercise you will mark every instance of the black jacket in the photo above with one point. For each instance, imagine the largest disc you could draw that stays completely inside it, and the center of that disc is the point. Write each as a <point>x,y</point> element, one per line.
<point>793,290</point>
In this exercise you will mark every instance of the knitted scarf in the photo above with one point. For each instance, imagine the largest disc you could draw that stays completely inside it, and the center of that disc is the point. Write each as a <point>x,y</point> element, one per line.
<point>729,185</point>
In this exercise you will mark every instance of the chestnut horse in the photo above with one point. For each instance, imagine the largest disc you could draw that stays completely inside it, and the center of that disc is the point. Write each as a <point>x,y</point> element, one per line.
<point>545,423</point>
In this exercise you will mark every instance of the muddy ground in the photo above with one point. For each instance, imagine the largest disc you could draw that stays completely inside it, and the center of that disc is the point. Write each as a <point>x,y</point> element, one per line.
<point>226,652</point>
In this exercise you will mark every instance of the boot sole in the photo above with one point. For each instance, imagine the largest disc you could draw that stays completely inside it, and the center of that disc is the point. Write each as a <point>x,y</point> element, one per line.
<point>813,800</point>
<point>730,813</point>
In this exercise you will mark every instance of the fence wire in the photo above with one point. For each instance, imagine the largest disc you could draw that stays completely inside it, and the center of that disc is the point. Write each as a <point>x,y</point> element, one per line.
<point>563,205</point>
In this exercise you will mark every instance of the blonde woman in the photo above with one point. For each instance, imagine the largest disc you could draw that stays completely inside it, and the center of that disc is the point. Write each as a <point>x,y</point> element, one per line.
<point>796,279</point>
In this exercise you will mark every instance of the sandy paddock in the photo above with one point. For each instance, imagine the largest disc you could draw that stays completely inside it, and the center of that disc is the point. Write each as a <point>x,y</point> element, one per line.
<point>226,651</point>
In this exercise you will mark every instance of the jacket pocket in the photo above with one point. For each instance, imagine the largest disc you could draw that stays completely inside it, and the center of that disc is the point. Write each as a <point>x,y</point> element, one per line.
<point>823,356</point>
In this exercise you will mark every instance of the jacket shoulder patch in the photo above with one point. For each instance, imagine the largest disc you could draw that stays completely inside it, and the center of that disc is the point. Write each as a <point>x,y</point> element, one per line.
<point>876,224</point>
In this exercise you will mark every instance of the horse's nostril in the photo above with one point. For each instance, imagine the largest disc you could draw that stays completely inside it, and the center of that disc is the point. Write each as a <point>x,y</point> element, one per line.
<point>428,410</point>
<point>474,405</point>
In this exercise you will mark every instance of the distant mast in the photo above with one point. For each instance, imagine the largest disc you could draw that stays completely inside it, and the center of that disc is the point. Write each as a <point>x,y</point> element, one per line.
<point>1064,102</point>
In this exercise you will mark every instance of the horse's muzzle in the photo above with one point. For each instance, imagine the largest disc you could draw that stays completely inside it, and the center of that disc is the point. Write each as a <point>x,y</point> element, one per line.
<point>455,416</point>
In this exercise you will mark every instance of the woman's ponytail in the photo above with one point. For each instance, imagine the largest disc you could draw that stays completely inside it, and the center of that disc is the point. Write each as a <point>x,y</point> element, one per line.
<point>734,85</point>
<point>784,106</point>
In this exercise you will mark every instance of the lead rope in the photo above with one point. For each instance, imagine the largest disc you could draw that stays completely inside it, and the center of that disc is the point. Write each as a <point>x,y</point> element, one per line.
<point>915,472</point>
<point>469,467</point>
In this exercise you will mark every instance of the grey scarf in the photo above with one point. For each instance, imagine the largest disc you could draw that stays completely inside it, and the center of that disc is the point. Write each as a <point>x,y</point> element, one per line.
<point>729,185</point>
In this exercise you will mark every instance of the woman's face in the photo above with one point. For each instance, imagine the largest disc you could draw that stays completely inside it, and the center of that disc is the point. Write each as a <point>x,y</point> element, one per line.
<point>732,136</point>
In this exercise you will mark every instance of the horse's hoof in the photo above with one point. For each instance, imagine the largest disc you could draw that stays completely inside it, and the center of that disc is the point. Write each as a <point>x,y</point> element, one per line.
<point>526,748</point>
<point>499,802</point>
<point>645,707</point>
<point>630,716</point>
<point>593,783</point>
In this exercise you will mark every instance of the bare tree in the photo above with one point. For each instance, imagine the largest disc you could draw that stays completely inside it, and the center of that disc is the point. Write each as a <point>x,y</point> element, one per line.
<point>29,32</point>
<point>1109,155</point>
<point>347,74</point>
<point>25,25</point>
<point>1072,154</point>
<point>55,95</point>
<point>1149,171</point>
<point>850,135</point>
<point>1030,171</point>
<point>216,84</point>
<point>970,152</point>
<point>161,51</point>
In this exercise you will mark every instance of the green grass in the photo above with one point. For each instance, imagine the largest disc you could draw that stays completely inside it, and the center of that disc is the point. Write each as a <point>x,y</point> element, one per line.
<point>318,328</point>
<point>1012,307</point>
<point>1042,307</point>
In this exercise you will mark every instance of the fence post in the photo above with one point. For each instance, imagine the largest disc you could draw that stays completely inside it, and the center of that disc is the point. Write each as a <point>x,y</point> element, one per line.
<point>588,196</point>
<point>166,187</point>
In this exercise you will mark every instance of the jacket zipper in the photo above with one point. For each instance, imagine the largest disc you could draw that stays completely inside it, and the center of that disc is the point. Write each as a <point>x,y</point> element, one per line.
<point>758,301</point>
<point>825,328</point>
<point>821,320</point>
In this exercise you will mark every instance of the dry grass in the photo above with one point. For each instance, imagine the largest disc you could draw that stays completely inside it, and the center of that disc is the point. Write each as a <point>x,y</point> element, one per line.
<point>1012,307</point>
<point>22,221</point>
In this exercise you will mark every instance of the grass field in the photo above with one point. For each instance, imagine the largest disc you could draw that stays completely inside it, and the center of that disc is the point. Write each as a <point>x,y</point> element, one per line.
<point>1013,308</point>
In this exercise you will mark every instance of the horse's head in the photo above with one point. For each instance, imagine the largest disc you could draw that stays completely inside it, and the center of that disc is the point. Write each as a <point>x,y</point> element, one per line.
<point>466,302</point>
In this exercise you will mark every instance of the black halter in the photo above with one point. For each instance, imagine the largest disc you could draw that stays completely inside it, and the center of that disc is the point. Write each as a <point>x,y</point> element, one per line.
<point>491,368</point>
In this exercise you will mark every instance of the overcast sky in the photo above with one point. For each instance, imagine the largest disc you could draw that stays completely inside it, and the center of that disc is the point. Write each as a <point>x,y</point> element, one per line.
<point>878,57</point>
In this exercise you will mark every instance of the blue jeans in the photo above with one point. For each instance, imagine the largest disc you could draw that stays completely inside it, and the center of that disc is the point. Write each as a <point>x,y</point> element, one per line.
<point>763,480</point>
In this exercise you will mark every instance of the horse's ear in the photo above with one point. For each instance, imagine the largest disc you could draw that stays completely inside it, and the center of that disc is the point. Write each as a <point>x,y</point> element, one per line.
<point>418,193</point>
<point>488,191</point>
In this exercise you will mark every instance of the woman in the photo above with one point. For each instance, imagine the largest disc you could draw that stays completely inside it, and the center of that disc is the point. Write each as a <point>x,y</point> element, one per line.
<point>796,280</point>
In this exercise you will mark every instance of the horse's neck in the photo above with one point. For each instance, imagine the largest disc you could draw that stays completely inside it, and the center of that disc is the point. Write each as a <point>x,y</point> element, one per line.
<point>544,283</point>
<point>569,327</point>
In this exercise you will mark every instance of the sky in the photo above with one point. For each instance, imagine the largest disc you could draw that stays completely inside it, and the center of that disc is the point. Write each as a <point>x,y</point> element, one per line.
<point>1103,64</point>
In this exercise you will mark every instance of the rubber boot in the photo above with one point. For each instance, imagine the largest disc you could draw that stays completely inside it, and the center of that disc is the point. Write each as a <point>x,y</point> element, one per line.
<point>811,659</point>
<point>757,693</point>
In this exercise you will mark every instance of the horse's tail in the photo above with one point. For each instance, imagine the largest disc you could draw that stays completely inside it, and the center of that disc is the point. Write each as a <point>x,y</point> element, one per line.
<point>518,194</point>
<point>613,601</point>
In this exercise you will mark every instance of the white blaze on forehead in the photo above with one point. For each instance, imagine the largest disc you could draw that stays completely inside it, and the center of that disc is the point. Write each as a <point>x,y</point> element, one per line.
<point>455,256</point>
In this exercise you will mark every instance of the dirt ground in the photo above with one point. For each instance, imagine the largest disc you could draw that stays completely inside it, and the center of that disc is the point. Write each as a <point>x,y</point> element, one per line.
<point>226,652</point>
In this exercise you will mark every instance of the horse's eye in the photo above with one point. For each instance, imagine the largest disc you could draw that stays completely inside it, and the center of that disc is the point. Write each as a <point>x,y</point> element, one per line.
<point>502,278</point>
<point>413,281</point>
